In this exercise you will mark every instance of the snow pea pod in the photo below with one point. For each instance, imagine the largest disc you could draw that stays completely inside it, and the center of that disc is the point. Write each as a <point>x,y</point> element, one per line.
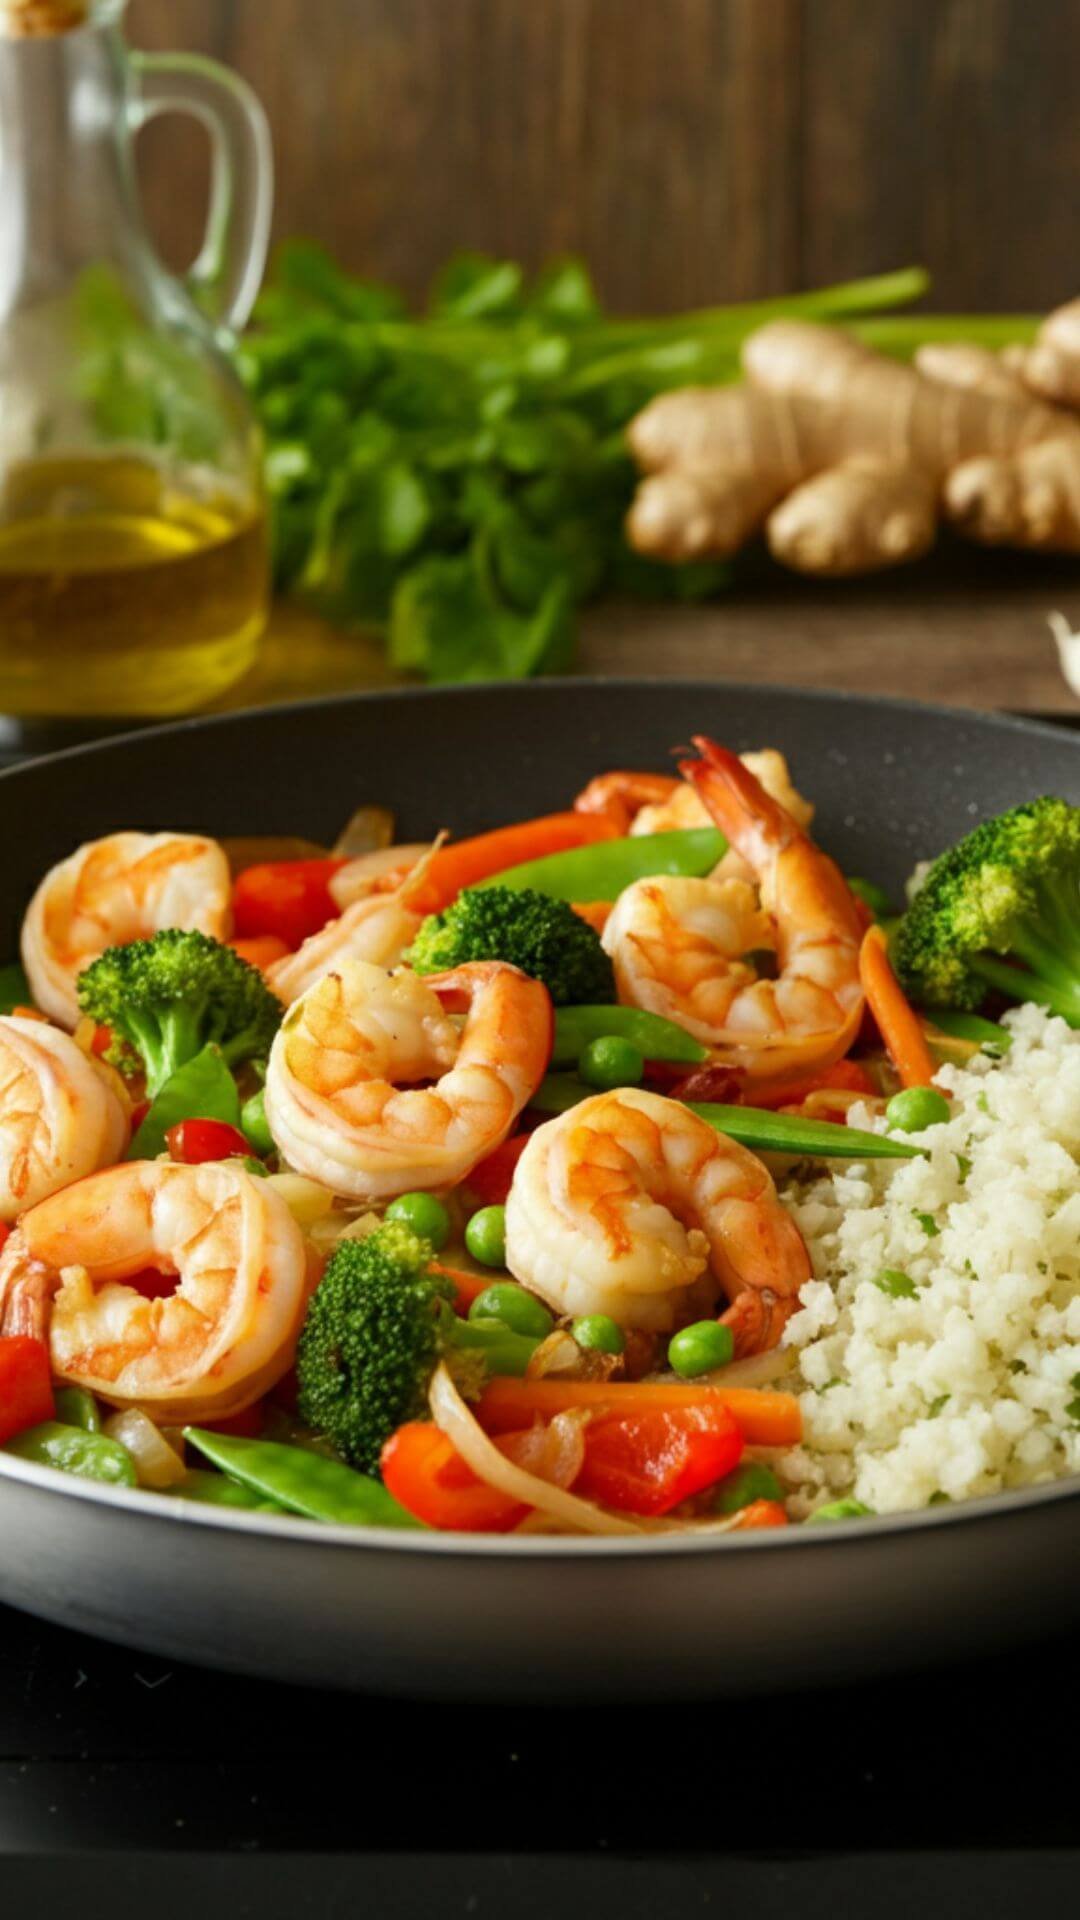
<point>91,1456</point>
<point>77,1408</point>
<point>657,1038</point>
<point>755,1127</point>
<point>602,869</point>
<point>971,1027</point>
<point>302,1481</point>
<point>216,1490</point>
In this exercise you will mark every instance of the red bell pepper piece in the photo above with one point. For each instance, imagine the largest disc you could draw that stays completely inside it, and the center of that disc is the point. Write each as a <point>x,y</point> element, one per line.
<point>289,898</point>
<point>193,1141</point>
<point>26,1395</point>
<point>490,1180</point>
<point>423,1470</point>
<point>248,1423</point>
<point>261,950</point>
<point>648,1462</point>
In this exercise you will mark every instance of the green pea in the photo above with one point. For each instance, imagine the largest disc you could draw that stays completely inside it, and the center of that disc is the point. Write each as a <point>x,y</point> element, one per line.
<point>611,1061</point>
<point>898,1286</point>
<point>838,1510</point>
<point>598,1333</point>
<point>752,1481</point>
<point>485,1236</point>
<point>520,1311</point>
<point>425,1216</point>
<point>915,1108</point>
<point>254,1124</point>
<point>700,1348</point>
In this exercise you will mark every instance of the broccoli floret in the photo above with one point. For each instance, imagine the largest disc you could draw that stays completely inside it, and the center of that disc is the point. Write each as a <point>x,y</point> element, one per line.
<point>544,937</point>
<point>166,998</point>
<point>1001,909</point>
<point>377,1325</point>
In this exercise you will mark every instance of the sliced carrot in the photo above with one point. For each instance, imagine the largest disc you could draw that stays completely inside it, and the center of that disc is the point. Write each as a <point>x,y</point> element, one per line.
<point>469,1285</point>
<point>261,949</point>
<point>844,1075</point>
<point>595,912</point>
<point>899,1025</point>
<point>465,862</point>
<point>760,1513</point>
<point>764,1419</point>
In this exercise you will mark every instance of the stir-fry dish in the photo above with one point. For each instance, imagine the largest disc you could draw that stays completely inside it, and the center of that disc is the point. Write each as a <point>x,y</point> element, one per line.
<point>623,1170</point>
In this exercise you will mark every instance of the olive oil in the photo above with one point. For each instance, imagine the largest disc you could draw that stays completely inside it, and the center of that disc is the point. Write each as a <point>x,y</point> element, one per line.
<point>123,590</point>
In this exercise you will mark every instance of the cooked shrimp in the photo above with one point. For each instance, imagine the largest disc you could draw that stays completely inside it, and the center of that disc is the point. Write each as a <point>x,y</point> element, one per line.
<point>203,1352</point>
<point>346,1097</point>
<point>659,803</point>
<point>631,1205</point>
<point>682,947</point>
<point>376,929</point>
<point>60,1115</point>
<point>125,887</point>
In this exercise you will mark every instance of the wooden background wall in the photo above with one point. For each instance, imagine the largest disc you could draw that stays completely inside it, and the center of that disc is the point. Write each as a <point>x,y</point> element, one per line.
<point>693,150</point>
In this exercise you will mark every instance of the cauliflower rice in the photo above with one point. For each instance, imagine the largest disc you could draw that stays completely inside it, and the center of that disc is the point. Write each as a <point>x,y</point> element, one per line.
<point>973,1384</point>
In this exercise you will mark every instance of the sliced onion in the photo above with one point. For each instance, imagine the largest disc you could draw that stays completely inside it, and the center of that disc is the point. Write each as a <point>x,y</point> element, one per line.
<point>157,1464</point>
<point>453,1417</point>
<point>306,1200</point>
<point>757,1370</point>
<point>370,830</point>
<point>366,874</point>
<point>559,1357</point>
<point>555,1452</point>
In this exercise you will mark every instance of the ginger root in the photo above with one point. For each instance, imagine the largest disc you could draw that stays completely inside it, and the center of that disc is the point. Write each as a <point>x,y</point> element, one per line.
<point>848,459</point>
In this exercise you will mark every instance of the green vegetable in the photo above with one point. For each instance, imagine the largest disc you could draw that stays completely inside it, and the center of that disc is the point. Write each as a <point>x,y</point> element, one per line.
<point>75,1450</point>
<point>301,1481</point>
<point>254,1125</point>
<point>756,1127</point>
<point>516,1308</point>
<point>460,481</point>
<point>604,868</point>
<point>485,1236</point>
<point>255,1167</point>
<point>217,1490</point>
<point>542,936</point>
<point>14,988</point>
<point>655,1037</point>
<point>168,998</point>
<point>700,1348</point>
<point>77,1408</point>
<point>598,1333</point>
<point>849,1509</point>
<point>423,1215</point>
<point>914,1109</point>
<point>871,895</point>
<point>986,1034</point>
<point>203,1089</point>
<point>1000,910</point>
<point>612,1062</point>
<point>750,1481</point>
<point>375,1329</point>
<point>899,1286</point>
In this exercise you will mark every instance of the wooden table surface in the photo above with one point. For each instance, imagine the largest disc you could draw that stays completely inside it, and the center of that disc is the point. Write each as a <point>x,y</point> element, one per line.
<point>963,629</point>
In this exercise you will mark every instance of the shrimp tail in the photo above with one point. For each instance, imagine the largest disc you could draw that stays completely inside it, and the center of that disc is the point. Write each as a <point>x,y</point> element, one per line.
<point>757,1317</point>
<point>27,1288</point>
<point>756,824</point>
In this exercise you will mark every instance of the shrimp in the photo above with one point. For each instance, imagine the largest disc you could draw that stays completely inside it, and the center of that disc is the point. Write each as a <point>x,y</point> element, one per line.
<point>680,947</point>
<point>347,1093</point>
<point>633,1206</point>
<point>377,929</point>
<point>60,1115</point>
<point>659,803</point>
<point>204,1352</point>
<point>108,892</point>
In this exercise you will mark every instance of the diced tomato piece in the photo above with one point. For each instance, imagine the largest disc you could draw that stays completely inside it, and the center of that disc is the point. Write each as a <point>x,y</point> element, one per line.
<point>26,1395</point>
<point>423,1470</point>
<point>648,1462</point>
<point>247,1424</point>
<point>193,1141</point>
<point>289,898</point>
<point>152,1283</point>
<point>490,1180</point>
<point>102,1040</point>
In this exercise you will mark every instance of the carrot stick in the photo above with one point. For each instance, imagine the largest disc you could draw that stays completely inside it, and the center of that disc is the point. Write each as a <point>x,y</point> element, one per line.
<point>764,1419</point>
<point>469,1285</point>
<point>465,862</point>
<point>899,1026</point>
<point>596,912</point>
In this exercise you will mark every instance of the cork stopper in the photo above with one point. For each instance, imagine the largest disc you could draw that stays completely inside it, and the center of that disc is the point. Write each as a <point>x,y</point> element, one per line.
<point>38,19</point>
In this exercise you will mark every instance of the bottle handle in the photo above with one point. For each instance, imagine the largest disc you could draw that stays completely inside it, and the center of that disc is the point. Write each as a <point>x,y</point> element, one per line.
<point>225,277</point>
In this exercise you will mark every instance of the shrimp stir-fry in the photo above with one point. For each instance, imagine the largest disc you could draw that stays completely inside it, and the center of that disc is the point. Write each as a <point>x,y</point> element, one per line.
<point>373,1090</point>
<point>632,1206</point>
<point>112,891</point>
<point>688,949</point>
<point>60,1114</point>
<point>220,1339</point>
